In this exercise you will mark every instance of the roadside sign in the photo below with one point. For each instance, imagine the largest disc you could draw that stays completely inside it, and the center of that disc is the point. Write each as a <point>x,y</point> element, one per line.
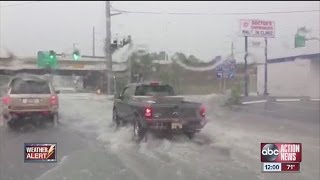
<point>227,69</point>
<point>257,28</point>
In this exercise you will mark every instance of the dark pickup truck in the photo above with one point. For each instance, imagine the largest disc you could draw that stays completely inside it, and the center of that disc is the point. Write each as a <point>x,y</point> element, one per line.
<point>154,106</point>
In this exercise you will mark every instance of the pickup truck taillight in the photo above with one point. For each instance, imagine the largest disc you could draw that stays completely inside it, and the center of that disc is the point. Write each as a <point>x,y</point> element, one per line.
<point>203,111</point>
<point>148,112</point>
<point>6,100</point>
<point>54,100</point>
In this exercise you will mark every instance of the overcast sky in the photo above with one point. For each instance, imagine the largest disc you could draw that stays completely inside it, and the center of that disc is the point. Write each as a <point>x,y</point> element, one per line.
<point>25,29</point>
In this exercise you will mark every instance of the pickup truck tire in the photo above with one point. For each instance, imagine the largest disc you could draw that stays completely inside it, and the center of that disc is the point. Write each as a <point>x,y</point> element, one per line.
<point>190,135</point>
<point>138,131</point>
<point>116,119</point>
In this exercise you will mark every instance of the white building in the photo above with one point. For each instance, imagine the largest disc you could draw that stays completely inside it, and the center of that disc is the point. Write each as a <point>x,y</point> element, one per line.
<point>296,75</point>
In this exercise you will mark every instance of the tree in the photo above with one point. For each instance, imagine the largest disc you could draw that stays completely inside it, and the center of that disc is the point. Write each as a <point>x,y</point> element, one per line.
<point>193,60</point>
<point>141,64</point>
<point>162,55</point>
<point>180,57</point>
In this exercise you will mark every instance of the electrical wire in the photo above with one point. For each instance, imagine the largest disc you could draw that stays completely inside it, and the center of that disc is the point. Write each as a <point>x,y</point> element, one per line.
<point>215,14</point>
<point>20,4</point>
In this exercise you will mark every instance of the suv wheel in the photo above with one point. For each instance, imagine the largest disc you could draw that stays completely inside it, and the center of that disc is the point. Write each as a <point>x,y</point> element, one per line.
<point>10,126</point>
<point>54,121</point>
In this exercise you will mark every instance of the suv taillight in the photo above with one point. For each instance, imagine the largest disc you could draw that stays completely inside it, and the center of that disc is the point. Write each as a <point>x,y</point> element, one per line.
<point>6,100</point>
<point>148,112</point>
<point>54,100</point>
<point>203,111</point>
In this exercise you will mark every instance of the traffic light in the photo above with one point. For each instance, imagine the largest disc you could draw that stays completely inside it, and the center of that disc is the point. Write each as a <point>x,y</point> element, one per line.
<point>47,59</point>
<point>300,37</point>
<point>299,41</point>
<point>76,55</point>
<point>52,55</point>
<point>114,44</point>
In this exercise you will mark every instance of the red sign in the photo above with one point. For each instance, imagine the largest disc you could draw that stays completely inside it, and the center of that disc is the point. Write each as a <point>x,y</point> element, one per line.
<point>257,28</point>
<point>281,152</point>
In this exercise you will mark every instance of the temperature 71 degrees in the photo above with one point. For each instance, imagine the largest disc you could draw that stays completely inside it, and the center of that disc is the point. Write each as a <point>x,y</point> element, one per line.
<point>290,166</point>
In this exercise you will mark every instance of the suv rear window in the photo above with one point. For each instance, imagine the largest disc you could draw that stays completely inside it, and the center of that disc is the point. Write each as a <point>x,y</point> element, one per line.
<point>154,90</point>
<point>30,87</point>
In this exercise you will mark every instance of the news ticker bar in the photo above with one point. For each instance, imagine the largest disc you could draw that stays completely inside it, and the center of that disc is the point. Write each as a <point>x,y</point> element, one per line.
<point>280,167</point>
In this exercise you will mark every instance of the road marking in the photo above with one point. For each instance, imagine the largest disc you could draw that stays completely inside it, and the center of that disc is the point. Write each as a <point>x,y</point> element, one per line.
<point>253,102</point>
<point>315,99</point>
<point>288,100</point>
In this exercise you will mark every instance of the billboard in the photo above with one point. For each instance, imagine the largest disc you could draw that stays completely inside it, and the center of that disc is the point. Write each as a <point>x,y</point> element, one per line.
<point>257,28</point>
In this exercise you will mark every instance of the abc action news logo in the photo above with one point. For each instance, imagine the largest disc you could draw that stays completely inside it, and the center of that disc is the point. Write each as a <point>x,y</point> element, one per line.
<point>281,152</point>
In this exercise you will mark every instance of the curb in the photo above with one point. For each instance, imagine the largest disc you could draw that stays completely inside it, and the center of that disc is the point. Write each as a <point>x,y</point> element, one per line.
<point>288,100</point>
<point>254,102</point>
<point>272,99</point>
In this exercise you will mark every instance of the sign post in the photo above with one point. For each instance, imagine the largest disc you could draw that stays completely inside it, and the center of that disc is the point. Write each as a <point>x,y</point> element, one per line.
<point>246,66</point>
<point>257,28</point>
<point>265,92</point>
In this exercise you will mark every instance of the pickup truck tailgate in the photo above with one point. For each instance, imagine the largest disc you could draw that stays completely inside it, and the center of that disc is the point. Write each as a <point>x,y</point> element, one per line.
<point>181,110</point>
<point>168,107</point>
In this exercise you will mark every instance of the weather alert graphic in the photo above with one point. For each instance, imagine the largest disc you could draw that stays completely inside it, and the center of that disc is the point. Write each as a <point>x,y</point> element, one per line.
<point>40,152</point>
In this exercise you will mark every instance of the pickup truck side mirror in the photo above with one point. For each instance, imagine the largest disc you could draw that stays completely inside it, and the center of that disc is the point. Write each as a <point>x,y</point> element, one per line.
<point>119,96</point>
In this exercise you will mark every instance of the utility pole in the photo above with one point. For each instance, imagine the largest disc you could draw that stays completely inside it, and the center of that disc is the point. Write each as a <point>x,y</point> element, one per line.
<point>232,53</point>
<point>108,49</point>
<point>266,68</point>
<point>246,66</point>
<point>129,64</point>
<point>93,42</point>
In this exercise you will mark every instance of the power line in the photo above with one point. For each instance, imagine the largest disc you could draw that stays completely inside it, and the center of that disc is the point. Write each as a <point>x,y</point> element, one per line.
<point>114,9</point>
<point>19,4</point>
<point>215,14</point>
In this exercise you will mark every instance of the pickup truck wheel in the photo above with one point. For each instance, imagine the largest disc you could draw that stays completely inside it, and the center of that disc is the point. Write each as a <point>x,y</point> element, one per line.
<point>190,135</point>
<point>115,118</point>
<point>138,131</point>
